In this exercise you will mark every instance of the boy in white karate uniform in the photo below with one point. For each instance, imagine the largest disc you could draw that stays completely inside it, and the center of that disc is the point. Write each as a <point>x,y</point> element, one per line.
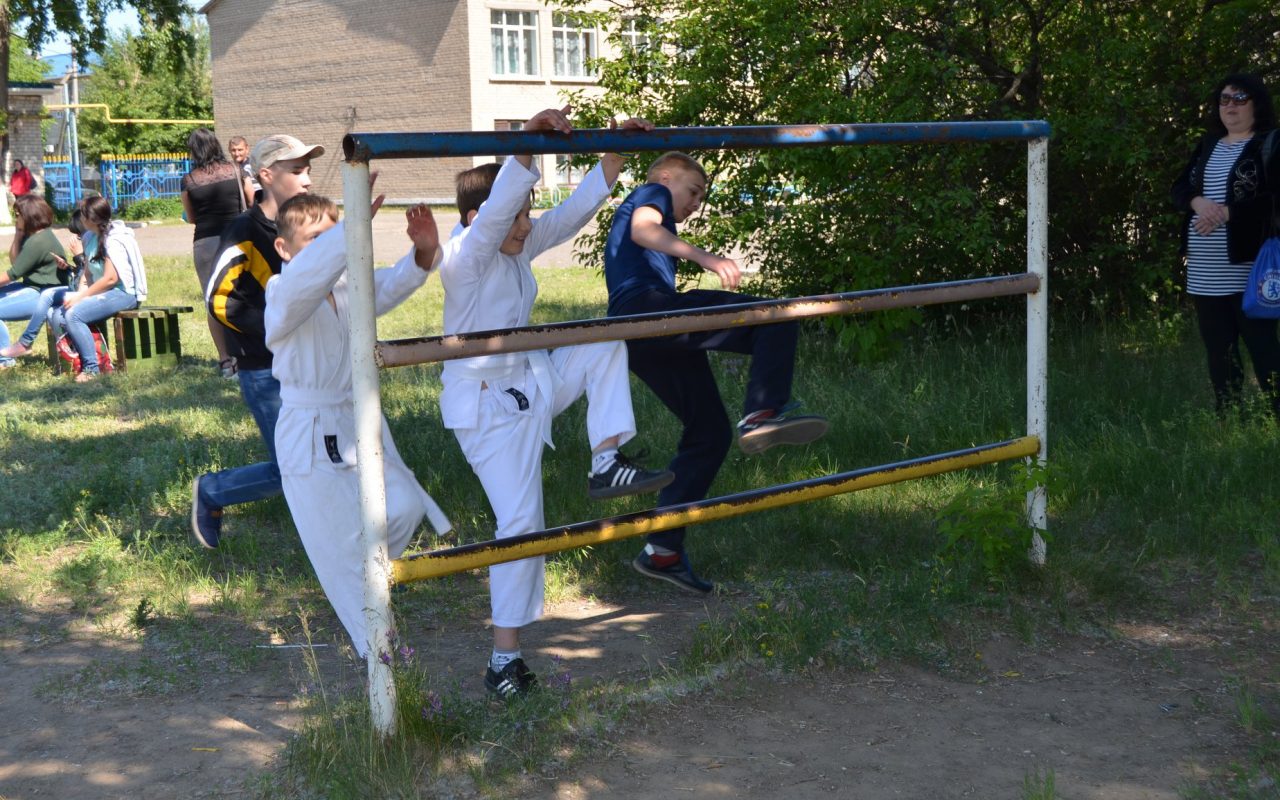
<point>306,329</point>
<point>500,407</point>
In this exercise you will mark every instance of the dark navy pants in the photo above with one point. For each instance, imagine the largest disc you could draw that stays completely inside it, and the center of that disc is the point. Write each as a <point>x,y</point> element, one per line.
<point>677,370</point>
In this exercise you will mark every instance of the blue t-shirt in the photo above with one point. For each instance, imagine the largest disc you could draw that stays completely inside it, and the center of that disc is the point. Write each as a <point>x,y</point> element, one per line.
<point>630,269</point>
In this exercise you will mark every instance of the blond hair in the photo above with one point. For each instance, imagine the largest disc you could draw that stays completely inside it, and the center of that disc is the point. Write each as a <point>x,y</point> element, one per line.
<point>675,160</point>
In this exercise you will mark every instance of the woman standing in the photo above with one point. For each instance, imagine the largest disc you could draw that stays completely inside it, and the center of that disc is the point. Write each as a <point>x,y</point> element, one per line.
<point>212,196</point>
<point>1229,191</point>
<point>35,258</point>
<point>113,280</point>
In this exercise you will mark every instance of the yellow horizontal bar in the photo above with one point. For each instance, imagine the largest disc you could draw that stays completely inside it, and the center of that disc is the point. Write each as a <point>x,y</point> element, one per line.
<point>422,566</point>
<point>127,120</point>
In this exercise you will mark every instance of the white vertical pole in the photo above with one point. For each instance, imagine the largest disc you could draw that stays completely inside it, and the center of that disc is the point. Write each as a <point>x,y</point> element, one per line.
<point>1038,331</point>
<point>368,410</point>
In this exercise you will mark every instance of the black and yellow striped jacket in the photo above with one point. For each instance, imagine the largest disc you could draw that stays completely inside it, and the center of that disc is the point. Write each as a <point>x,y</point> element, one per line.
<point>237,294</point>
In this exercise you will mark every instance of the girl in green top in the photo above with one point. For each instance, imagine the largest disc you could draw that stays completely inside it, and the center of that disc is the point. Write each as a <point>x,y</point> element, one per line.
<point>35,256</point>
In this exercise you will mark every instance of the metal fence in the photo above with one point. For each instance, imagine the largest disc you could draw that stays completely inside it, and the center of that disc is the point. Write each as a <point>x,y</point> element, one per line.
<point>367,354</point>
<point>122,179</point>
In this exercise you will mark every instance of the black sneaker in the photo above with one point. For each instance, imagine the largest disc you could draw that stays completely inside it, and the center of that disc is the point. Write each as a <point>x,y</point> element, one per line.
<point>513,680</point>
<point>760,430</point>
<point>206,519</point>
<point>624,477</point>
<point>679,573</point>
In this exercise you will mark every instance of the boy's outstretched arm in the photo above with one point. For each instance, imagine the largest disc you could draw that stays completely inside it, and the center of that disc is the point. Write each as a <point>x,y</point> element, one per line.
<point>647,231</point>
<point>612,163</point>
<point>394,285</point>
<point>551,119</point>
<point>425,235</point>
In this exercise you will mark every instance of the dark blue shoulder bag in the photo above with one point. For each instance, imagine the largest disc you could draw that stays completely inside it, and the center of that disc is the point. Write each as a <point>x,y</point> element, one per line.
<point>1262,293</point>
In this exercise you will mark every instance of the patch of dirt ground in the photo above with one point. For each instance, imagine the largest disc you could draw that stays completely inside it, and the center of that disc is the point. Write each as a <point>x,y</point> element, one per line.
<point>1132,716</point>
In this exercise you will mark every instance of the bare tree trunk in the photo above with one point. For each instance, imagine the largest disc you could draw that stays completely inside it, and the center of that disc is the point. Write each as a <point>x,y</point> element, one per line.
<point>5,24</point>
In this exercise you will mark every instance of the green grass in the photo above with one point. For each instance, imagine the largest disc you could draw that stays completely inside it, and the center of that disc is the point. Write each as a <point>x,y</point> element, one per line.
<point>1157,507</point>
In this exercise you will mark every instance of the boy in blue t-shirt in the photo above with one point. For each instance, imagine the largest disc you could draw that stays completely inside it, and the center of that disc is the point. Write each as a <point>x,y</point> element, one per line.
<point>640,270</point>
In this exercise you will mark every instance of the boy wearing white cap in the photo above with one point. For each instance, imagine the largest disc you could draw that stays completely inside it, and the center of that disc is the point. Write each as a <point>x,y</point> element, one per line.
<point>236,297</point>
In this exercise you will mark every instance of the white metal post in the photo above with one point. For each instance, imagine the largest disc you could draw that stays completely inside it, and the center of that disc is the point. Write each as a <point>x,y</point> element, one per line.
<point>368,410</point>
<point>1038,331</point>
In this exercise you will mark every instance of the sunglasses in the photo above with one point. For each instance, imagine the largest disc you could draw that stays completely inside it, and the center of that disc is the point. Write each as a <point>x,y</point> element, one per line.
<point>1239,98</point>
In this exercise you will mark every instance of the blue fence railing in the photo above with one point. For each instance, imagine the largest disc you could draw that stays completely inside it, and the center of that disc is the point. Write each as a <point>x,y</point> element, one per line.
<point>128,179</point>
<point>122,180</point>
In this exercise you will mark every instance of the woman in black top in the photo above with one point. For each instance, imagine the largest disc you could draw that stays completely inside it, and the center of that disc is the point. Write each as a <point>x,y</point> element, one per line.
<point>1228,193</point>
<point>211,198</point>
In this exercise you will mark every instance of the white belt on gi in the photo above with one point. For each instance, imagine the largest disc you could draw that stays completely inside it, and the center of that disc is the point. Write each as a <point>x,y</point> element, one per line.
<point>302,397</point>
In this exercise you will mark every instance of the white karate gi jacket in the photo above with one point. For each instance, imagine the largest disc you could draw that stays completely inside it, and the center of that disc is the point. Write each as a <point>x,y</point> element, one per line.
<point>315,434</point>
<point>487,290</point>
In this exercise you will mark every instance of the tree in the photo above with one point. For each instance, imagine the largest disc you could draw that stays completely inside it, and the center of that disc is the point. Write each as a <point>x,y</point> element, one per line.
<point>25,66</point>
<point>1123,85</point>
<point>84,23</point>
<point>136,80</point>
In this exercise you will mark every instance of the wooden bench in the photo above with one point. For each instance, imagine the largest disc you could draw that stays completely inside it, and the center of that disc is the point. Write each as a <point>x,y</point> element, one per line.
<point>143,338</point>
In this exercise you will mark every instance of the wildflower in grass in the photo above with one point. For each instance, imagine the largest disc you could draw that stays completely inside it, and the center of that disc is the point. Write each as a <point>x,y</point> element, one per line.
<point>406,653</point>
<point>385,657</point>
<point>434,707</point>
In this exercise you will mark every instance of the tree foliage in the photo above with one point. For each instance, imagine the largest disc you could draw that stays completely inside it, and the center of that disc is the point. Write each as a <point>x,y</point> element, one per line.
<point>25,66</point>
<point>138,81</point>
<point>1123,84</point>
<point>83,22</point>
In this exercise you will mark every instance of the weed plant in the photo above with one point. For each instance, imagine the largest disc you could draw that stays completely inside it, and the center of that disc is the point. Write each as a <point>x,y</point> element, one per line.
<point>1156,505</point>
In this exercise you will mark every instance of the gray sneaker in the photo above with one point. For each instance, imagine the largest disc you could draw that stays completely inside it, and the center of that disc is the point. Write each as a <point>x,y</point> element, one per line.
<point>760,430</point>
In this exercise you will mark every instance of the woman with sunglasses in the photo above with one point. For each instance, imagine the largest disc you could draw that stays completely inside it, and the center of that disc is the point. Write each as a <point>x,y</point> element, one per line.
<point>1229,193</point>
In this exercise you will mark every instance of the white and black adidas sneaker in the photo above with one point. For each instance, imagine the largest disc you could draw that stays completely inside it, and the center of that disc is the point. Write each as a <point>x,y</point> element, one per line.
<point>624,477</point>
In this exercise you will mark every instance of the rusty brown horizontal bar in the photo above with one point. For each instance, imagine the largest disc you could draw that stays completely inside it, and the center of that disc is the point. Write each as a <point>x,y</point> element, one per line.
<point>428,349</point>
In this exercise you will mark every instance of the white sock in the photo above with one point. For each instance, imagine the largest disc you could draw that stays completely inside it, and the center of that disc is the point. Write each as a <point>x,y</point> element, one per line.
<point>603,460</point>
<point>654,550</point>
<point>501,658</point>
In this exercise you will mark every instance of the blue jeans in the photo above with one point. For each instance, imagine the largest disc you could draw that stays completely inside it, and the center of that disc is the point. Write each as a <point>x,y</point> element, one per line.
<point>17,302</point>
<point>259,481</point>
<point>91,309</point>
<point>49,300</point>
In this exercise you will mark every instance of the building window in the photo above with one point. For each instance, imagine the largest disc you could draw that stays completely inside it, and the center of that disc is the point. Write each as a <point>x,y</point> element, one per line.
<point>573,46</point>
<point>633,36</point>
<point>569,174</point>
<point>514,39</point>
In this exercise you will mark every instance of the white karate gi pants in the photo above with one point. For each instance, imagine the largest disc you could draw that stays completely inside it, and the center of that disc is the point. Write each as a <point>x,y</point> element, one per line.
<point>505,451</point>
<point>326,511</point>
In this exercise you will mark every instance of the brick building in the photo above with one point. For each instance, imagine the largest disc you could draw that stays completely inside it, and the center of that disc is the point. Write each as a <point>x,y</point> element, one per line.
<point>26,112</point>
<point>320,69</point>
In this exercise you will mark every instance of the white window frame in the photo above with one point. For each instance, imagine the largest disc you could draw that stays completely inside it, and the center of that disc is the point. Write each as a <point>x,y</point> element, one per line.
<point>564,32</point>
<point>513,28</point>
<point>568,174</point>
<point>632,38</point>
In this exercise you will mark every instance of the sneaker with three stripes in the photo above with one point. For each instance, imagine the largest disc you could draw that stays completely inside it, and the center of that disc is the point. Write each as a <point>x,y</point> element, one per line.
<point>624,477</point>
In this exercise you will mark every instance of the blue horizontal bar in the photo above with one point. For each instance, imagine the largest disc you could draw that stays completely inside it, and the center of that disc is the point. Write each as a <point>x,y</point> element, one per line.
<point>367,146</point>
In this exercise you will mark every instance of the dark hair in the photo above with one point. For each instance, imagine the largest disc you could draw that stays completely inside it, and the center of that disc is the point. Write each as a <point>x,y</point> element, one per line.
<point>204,149</point>
<point>1264,112</point>
<point>96,212</point>
<point>75,225</point>
<point>301,209</point>
<point>473,187</point>
<point>35,212</point>
<point>18,161</point>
